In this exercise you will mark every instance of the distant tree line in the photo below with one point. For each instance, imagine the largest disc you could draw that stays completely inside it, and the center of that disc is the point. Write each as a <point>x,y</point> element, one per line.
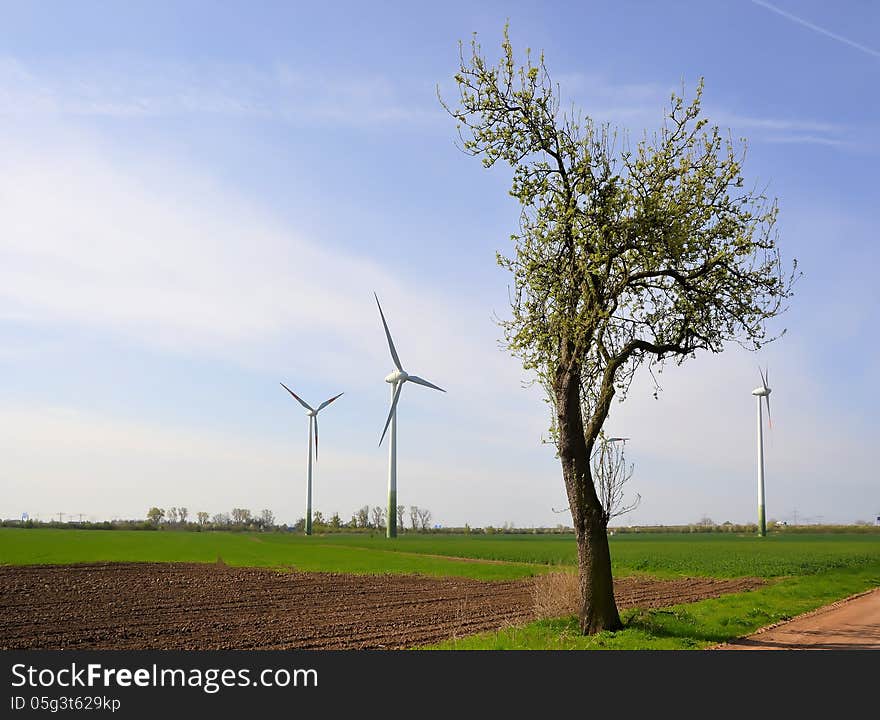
<point>367,518</point>
<point>81,525</point>
<point>236,519</point>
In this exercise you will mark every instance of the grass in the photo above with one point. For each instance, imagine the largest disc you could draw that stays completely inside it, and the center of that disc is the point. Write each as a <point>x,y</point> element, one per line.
<point>719,555</point>
<point>538,549</point>
<point>51,546</point>
<point>663,555</point>
<point>684,627</point>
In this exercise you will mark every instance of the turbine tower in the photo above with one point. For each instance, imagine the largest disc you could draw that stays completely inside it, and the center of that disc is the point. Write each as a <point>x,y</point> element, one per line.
<point>762,392</point>
<point>313,422</point>
<point>396,378</point>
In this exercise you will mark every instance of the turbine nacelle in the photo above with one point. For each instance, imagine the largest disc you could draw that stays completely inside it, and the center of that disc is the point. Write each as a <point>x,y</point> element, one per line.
<point>396,376</point>
<point>764,391</point>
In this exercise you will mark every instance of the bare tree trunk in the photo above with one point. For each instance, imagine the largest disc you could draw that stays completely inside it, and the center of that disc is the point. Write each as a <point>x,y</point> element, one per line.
<point>598,609</point>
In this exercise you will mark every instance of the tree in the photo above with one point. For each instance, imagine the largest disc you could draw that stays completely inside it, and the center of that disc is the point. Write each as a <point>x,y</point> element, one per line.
<point>202,517</point>
<point>610,474</point>
<point>172,515</point>
<point>241,516</point>
<point>155,515</point>
<point>400,516</point>
<point>414,516</point>
<point>220,519</point>
<point>625,256</point>
<point>335,521</point>
<point>378,517</point>
<point>424,518</point>
<point>182,513</point>
<point>363,516</point>
<point>317,518</point>
<point>267,518</point>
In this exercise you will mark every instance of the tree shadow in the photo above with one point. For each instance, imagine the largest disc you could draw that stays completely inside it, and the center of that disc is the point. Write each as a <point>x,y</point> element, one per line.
<point>679,626</point>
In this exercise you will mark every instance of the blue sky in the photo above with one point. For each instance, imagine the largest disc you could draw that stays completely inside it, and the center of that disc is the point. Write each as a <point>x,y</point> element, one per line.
<point>197,201</point>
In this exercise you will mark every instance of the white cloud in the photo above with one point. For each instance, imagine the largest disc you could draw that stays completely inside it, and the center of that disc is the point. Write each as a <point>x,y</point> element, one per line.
<point>765,123</point>
<point>149,89</point>
<point>805,139</point>
<point>636,106</point>
<point>72,460</point>
<point>64,459</point>
<point>701,436</point>
<point>138,88</point>
<point>170,259</point>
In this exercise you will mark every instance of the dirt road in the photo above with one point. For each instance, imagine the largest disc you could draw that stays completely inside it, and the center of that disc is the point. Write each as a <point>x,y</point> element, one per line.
<point>851,624</point>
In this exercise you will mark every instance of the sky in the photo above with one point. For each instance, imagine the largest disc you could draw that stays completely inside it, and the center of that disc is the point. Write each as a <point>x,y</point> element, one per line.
<point>198,200</point>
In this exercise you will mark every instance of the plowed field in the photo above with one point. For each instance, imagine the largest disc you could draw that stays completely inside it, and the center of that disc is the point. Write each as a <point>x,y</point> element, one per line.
<point>202,606</point>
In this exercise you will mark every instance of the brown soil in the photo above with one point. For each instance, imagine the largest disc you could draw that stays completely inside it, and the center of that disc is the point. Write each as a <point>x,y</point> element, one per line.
<point>202,606</point>
<point>647,593</point>
<point>850,624</point>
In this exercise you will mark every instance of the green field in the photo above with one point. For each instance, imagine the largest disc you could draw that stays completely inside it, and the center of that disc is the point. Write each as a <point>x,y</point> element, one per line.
<point>704,554</point>
<point>711,555</point>
<point>50,546</point>
<point>807,571</point>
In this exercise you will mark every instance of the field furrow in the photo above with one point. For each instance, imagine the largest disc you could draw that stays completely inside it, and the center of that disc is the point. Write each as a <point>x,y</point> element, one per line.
<point>212,606</point>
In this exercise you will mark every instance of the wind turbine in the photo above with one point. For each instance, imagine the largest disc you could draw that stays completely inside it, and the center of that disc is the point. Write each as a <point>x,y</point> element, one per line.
<point>313,422</point>
<point>762,392</point>
<point>396,378</point>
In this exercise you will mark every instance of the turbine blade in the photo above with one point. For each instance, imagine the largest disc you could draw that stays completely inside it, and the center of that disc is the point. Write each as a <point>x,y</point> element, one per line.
<point>769,419</point>
<point>327,402</point>
<point>767,375</point>
<point>419,381</point>
<point>316,438</point>
<point>298,398</point>
<point>391,411</point>
<point>388,335</point>
<point>761,373</point>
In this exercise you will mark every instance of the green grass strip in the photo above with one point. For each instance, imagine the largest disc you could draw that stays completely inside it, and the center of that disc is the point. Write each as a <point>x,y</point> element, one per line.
<point>690,626</point>
<point>50,546</point>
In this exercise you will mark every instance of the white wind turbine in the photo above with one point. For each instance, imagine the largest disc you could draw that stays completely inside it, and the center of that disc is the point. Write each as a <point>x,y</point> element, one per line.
<point>313,422</point>
<point>762,392</point>
<point>396,378</point>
